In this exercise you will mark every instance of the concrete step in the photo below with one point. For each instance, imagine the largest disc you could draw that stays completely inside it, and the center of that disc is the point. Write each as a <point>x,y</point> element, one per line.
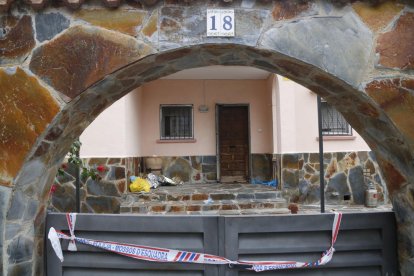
<point>201,207</point>
<point>213,196</point>
<point>205,199</point>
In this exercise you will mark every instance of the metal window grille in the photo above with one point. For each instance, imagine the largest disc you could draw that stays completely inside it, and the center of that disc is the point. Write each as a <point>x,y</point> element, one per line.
<point>333,123</point>
<point>176,122</point>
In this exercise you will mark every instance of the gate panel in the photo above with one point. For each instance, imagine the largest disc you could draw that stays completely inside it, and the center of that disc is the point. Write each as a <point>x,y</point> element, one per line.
<point>187,233</point>
<point>366,243</point>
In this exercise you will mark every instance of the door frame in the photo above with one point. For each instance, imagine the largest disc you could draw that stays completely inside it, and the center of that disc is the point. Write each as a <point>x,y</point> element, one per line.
<point>249,167</point>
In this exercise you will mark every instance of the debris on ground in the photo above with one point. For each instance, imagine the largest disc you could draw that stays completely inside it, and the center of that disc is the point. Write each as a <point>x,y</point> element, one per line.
<point>152,181</point>
<point>140,185</point>
<point>271,183</point>
<point>294,208</point>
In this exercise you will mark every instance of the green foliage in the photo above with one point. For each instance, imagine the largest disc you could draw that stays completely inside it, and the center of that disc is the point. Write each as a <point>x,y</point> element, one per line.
<point>60,172</point>
<point>74,154</point>
<point>85,173</point>
<point>73,158</point>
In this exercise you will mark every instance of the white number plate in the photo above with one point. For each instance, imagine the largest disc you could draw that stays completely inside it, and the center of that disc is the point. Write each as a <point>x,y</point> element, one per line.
<point>220,22</point>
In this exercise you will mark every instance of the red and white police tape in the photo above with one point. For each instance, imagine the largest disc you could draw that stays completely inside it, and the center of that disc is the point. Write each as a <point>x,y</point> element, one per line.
<point>156,254</point>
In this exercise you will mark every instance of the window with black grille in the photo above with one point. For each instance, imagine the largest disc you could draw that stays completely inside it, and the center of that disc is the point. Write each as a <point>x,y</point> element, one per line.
<point>333,123</point>
<point>176,122</point>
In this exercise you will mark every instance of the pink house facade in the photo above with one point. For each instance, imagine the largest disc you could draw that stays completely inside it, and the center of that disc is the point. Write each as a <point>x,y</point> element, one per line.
<point>282,139</point>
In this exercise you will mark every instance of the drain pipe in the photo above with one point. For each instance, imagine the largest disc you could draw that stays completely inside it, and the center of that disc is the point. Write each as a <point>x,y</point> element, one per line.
<point>321,168</point>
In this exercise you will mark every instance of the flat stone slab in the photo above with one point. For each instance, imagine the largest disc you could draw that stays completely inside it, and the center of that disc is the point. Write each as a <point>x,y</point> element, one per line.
<point>206,199</point>
<point>224,199</point>
<point>344,208</point>
<point>215,187</point>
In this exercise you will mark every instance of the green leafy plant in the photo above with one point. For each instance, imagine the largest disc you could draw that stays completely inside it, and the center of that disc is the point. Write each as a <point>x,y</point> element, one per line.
<point>86,172</point>
<point>73,158</point>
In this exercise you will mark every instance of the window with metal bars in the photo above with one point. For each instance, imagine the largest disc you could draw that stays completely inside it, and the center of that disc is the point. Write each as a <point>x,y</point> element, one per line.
<point>176,122</point>
<point>333,123</point>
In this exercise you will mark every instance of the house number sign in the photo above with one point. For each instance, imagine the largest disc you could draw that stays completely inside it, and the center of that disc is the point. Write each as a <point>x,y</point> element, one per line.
<point>220,22</point>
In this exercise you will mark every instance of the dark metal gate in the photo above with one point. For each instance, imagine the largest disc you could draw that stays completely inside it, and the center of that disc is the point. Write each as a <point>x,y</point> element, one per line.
<point>366,244</point>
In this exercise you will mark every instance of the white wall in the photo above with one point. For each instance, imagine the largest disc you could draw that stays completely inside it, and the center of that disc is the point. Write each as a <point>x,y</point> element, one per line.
<point>296,110</point>
<point>130,127</point>
<point>273,87</point>
<point>169,91</point>
<point>115,132</point>
<point>133,123</point>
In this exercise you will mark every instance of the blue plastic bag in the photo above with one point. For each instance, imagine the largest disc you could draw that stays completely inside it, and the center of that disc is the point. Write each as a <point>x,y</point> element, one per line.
<point>271,183</point>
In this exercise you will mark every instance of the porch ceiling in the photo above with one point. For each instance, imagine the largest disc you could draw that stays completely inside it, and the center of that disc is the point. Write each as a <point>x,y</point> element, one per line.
<point>219,72</point>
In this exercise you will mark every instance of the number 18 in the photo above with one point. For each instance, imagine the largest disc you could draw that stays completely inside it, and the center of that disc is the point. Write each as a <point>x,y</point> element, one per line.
<point>220,22</point>
<point>227,23</point>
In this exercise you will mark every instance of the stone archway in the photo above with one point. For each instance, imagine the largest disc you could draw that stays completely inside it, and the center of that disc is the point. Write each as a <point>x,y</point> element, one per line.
<point>337,62</point>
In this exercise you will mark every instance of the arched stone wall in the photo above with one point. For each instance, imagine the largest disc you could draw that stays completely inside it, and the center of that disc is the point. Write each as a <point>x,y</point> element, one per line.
<point>55,81</point>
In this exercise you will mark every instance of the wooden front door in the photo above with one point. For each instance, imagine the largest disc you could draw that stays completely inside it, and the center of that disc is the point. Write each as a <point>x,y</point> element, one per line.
<point>233,139</point>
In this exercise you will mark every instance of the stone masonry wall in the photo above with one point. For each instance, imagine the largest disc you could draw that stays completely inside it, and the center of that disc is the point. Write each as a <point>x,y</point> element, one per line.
<point>299,178</point>
<point>203,169</point>
<point>191,169</point>
<point>104,195</point>
<point>344,175</point>
<point>61,68</point>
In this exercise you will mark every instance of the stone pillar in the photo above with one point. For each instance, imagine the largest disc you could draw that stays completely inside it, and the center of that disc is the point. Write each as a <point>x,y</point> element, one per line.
<point>24,217</point>
<point>19,233</point>
<point>403,204</point>
<point>5,193</point>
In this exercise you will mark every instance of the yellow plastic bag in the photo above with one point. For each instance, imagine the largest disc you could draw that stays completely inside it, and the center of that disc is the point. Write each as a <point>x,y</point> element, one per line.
<point>140,185</point>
